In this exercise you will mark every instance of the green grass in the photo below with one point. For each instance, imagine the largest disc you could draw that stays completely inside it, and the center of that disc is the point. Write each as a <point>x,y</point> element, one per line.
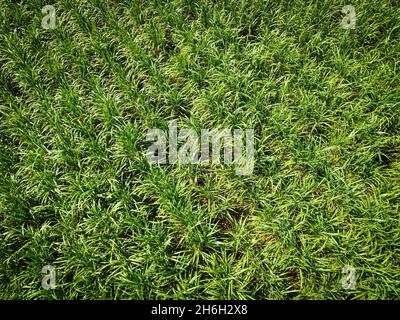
<point>76,191</point>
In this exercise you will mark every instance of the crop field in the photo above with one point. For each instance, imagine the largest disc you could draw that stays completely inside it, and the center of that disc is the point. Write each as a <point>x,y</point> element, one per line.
<point>84,214</point>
